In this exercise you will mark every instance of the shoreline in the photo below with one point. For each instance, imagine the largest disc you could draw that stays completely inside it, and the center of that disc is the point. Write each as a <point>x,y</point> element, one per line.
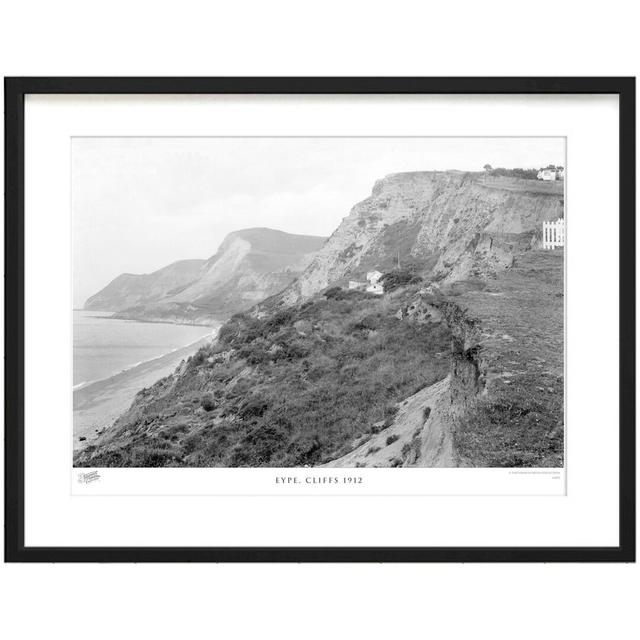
<point>216,324</point>
<point>97,404</point>
<point>86,383</point>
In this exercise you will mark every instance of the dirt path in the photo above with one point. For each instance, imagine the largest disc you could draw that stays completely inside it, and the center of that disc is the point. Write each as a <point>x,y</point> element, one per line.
<point>420,435</point>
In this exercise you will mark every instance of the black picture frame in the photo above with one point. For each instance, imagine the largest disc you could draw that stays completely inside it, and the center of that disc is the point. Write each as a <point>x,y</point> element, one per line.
<point>15,91</point>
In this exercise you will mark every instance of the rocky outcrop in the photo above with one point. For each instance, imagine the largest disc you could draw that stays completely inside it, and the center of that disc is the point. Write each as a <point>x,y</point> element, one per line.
<point>420,435</point>
<point>468,370</point>
<point>453,225</point>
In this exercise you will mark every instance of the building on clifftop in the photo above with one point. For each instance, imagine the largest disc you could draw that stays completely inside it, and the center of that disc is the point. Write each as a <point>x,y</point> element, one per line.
<point>374,286</point>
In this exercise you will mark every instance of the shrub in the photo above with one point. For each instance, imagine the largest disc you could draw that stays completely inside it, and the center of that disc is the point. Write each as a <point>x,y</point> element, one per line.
<point>228,332</point>
<point>253,407</point>
<point>390,410</point>
<point>191,443</point>
<point>240,389</point>
<point>278,320</point>
<point>335,293</point>
<point>198,358</point>
<point>151,458</point>
<point>399,278</point>
<point>392,439</point>
<point>527,174</point>
<point>258,447</point>
<point>207,402</point>
<point>256,351</point>
<point>370,322</point>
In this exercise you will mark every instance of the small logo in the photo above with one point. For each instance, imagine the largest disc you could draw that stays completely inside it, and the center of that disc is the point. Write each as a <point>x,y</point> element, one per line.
<point>88,477</point>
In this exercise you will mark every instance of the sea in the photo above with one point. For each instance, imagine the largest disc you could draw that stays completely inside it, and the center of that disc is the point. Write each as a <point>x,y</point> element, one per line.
<point>103,347</point>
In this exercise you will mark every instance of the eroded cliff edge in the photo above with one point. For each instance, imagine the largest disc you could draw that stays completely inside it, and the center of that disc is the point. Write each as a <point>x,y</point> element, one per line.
<point>502,401</point>
<point>452,225</point>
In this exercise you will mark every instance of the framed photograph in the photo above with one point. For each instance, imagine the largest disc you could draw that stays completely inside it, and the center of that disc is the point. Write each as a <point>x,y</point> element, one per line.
<point>320,319</point>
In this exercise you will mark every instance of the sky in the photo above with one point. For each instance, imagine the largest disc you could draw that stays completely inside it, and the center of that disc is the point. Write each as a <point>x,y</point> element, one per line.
<point>141,203</point>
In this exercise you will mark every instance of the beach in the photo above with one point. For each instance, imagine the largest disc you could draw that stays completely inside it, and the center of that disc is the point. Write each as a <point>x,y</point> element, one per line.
<point>98,404</point>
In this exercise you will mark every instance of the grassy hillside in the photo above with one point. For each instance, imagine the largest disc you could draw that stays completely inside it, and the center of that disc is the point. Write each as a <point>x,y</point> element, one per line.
<point>348,378</point>
<point>301,387</point>
<point>519,419</point>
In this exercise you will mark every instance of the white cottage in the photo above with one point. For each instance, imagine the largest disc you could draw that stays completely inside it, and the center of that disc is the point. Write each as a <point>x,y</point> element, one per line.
<point>546,174</point>
<point>375,286</point>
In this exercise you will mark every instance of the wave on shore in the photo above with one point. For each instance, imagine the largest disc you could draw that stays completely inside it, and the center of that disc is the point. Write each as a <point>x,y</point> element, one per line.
<point>188,346</point>
<point>97,404</point>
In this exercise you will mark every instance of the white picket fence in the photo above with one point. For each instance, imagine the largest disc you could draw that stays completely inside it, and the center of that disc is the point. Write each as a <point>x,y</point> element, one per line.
<point>553,234</point>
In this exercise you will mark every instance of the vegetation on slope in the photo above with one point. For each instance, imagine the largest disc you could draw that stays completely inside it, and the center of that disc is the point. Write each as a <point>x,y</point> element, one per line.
<point>300,387</point>
<point>519,421</point>
<point>311,383</point>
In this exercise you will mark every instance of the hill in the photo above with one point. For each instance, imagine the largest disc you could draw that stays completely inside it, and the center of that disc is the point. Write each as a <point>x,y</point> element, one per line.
<point>295,389</point>
<point>448,224</point>
<point>130,289</point>
<point>249,266</point>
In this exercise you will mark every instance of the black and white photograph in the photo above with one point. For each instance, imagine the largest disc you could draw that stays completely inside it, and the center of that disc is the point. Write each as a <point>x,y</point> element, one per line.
<point>320,319</point>
<point>329,302</point>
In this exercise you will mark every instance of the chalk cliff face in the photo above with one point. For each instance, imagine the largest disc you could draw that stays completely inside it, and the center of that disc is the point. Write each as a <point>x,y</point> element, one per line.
<point>455,225</point>
<point>249,266</point>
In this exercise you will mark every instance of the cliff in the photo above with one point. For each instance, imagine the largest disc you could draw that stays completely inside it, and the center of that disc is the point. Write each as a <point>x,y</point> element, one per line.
<point>501,403</point>
<point>249,266</point>
<point>452,225</point>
